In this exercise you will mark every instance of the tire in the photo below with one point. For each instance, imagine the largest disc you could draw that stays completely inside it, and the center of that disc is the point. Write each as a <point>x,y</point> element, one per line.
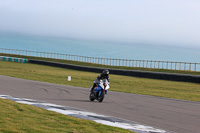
<point>101,97</point>
<point>92,96</point>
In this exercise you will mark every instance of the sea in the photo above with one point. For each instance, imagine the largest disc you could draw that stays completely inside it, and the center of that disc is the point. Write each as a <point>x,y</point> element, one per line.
<point>101,49</point>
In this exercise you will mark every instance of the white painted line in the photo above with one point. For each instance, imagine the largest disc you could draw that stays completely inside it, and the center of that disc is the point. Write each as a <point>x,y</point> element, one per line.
<point>51,105</point>
<point>3,96</point>
<point>15,98</point>
<point>65,112</point>
<point>129,126</point>
<point>115,124</point>
<point>83,113</point>
<point>28,99</point>
<point>25,102</point>
<point>88,113</point>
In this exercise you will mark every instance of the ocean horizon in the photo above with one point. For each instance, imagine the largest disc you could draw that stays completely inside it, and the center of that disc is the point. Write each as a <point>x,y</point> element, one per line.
<point>100,49</point>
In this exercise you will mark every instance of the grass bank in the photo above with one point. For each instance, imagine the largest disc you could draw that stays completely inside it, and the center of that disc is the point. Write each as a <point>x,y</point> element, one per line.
<point>21,118</point>
<point>103,66</point>
<point>153,87</point>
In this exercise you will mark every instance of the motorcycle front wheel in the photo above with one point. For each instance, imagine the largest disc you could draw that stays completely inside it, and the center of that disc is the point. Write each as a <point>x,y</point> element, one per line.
<point>92,96</point>
<point>101,96</point>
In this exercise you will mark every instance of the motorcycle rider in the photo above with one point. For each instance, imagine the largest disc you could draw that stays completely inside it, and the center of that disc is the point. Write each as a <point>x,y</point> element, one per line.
<point>103,75</point>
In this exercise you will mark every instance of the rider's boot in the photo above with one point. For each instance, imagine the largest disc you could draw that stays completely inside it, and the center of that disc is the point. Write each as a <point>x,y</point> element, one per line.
<point>92,88</point>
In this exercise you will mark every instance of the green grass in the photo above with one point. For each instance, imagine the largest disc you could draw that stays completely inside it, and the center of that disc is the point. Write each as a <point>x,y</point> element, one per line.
<point>153,87</point>
<point>21,118</point>
<point>104,66</point>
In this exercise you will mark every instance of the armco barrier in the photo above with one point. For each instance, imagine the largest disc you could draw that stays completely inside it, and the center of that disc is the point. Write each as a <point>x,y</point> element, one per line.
<point>170,65</point>
<point>134,73</point>
<point>13,59</point>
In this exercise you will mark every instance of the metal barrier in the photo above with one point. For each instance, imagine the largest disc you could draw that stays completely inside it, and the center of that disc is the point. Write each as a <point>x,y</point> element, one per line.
<point>108,61</point>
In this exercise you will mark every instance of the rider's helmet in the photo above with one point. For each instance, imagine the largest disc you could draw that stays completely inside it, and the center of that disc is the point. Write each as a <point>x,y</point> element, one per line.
<point>105,73</point>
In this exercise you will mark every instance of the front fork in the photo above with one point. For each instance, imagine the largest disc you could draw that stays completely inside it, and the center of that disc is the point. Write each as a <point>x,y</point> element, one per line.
<point>103,90</point>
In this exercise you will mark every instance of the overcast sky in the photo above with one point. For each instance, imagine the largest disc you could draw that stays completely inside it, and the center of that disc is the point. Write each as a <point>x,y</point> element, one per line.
<point>170,22</point>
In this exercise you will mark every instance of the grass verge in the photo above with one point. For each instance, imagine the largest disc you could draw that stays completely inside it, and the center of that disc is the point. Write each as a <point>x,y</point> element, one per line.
<point>104,66</point>
<point>153,87</point>
<point>21,118</point>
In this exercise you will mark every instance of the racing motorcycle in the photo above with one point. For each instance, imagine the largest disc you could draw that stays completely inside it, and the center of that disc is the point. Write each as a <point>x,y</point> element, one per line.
<point>99,92</point>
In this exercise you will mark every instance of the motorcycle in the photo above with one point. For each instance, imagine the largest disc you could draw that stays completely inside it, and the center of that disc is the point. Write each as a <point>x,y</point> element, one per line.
<point>99,92</point>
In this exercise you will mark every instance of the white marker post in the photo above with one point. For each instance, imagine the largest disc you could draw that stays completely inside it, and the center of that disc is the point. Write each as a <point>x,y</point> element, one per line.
<point>69,78</point>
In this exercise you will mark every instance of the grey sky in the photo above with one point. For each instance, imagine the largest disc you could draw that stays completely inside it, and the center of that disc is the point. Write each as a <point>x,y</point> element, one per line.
<point>171,22</point>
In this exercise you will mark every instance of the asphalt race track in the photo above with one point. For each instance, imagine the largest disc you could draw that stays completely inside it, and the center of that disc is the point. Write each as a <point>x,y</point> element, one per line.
<point>168,114</point>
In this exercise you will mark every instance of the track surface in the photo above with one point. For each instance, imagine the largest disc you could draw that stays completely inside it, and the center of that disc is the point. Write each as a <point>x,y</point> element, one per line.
<point>168,114</point>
